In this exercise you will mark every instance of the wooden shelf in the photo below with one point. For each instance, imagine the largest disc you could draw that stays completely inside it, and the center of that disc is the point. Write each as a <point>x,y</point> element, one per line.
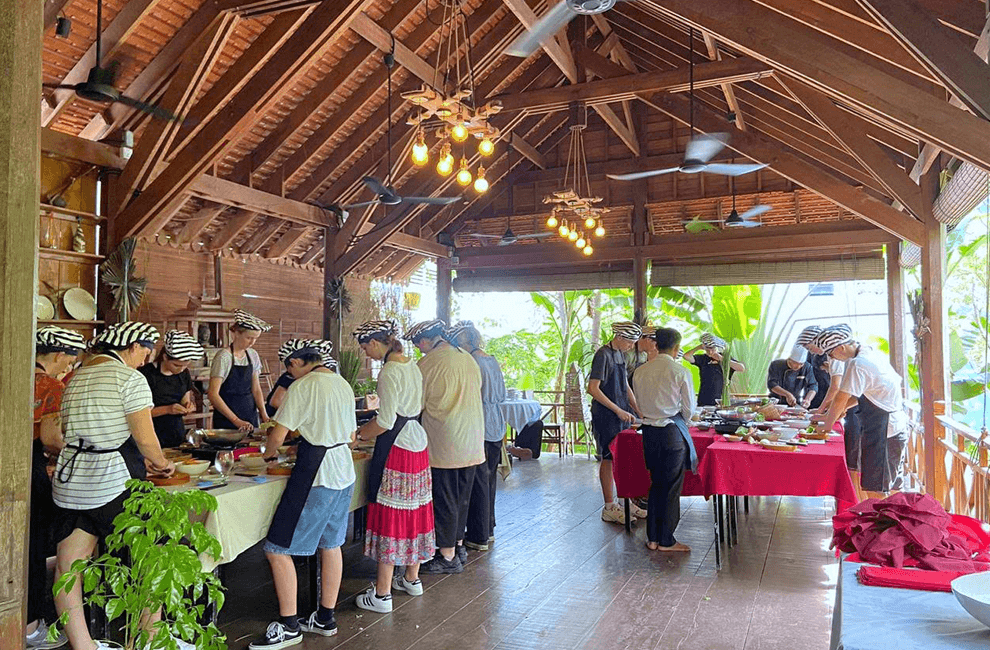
<point>45,207</point>
<point>69,321</point>
<point>57,253</point>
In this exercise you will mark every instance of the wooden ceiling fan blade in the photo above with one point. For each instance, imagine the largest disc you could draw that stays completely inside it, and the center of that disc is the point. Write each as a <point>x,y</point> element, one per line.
<point>543,30</point>
<point>430,200</point>
<point>151,109</point>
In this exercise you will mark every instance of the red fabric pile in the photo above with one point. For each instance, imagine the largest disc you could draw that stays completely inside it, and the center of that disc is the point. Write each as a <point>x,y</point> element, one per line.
<point>911,530</point>
<point>884,576</point>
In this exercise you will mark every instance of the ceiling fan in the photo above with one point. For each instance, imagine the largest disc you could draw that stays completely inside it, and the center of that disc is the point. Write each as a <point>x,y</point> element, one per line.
<point>99,84</point>
<point>555,20</point>
<point>735,220</point>
<point>385,195</point>
<point>510,237</point>
<point>700,150</point>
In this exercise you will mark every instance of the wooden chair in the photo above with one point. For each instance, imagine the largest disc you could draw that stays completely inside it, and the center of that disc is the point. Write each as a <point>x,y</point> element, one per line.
<point>553,426</point>
<point>576,411</point>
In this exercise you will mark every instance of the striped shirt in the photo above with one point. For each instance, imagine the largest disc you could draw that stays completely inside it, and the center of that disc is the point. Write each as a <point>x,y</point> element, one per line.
<point>94,412</point>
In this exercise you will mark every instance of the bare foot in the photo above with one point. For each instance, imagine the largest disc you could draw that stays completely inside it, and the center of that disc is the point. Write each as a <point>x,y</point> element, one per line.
<point>652,546</point>
<point>676,548</point>
<point>520,452</point>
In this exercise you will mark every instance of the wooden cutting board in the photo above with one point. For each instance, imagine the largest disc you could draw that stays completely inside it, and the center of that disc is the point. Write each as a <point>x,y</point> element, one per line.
<point>176,479</point>
<point>279,470</point>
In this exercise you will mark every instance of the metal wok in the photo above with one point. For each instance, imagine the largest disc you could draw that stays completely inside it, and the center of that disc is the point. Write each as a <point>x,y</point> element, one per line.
<point>218,436</point>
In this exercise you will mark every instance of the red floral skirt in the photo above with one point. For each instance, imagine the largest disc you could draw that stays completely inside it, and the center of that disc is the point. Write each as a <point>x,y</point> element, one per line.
<point>400,522</point>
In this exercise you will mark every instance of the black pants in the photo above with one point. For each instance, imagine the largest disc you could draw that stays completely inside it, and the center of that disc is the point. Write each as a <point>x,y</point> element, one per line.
<point>451,495</point>
<point>666,455</point>
<point>853,439</point>
<point>481,510</point>
<point>531,437</point>
<point>40,546</point>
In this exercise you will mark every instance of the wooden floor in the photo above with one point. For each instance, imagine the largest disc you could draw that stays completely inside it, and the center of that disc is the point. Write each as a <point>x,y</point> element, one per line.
<point>558,577</point>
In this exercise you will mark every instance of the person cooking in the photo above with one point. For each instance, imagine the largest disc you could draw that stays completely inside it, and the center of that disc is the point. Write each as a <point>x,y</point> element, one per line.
<point>710,368</point>
<point>645,350</point>
<point>400,528</point>
<point>171,386</point>
<point>792,378</point>
<point>277,393</point>
<point>109,439</point>
<point>235,390</point>
<point>312,513</point>
<point>871,382</point>
<point>55,351</point>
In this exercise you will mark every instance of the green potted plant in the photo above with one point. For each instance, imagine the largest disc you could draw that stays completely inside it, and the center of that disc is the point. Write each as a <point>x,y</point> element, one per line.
<point>161,573</point>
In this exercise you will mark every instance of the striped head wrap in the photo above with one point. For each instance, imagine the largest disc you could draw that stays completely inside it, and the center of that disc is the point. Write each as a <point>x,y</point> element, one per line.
<point>58,339</point>
<point>649,331</point>
<point>250,321</point>
<point>459,328</point>
<point>430,328</point>
<point>807,335</point>
<point>381,329</point>
<point>122,335</point>
<point>627,330</point>
<point>711,342</point>
<point>181,346</point>
<point>832,337</point>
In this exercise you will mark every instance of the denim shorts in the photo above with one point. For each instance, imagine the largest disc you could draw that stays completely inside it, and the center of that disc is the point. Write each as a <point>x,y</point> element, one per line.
<point>322,523</point>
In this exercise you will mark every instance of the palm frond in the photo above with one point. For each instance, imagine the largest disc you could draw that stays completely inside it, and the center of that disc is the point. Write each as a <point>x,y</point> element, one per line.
<point>119,273</point>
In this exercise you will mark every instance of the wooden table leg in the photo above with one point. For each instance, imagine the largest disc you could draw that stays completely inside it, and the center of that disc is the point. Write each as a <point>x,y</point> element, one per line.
<point>718,549</point>
<point>734,537</point>
<point>721,518</point>
<point>625,503</point>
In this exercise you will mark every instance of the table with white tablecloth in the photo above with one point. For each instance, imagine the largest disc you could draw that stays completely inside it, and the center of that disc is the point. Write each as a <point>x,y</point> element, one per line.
<point>520,412</point>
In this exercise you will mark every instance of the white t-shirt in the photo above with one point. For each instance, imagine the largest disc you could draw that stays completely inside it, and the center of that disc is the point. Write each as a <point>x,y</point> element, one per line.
<point>400,390</point>
<point>320,406</point>
<point>224,360</point>
<point>869,374</point>
<point>95,407</point>
<point>452,411</point>
<point>836,368</point>
<point>663,388</point>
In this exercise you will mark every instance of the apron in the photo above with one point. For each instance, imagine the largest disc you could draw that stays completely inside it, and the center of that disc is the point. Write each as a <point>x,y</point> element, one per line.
<point>383,446</point>
<point>873,461</point>
<point>692,459</point>
<point>309,457</point>
<point>613,385</point>
<point>165,391</point>
<point>235,391</point>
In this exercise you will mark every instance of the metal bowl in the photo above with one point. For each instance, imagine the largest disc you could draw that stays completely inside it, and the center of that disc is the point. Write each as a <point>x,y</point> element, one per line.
<point>220,436</point>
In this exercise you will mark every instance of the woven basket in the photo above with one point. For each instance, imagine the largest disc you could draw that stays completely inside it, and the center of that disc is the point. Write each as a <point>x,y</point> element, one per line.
<point>770,412</point>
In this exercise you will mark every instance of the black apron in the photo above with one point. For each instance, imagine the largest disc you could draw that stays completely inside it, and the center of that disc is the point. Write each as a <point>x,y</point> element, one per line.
<point>290,507</point>
<point>613,385</point>
<point>822,376</point>
<point>383,447</point>
<point>165,391</point>
<point>873,422</point>
<point>236,393</point>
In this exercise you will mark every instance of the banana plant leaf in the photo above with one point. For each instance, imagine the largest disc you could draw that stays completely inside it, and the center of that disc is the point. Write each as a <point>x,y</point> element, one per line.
<point>119,273</point>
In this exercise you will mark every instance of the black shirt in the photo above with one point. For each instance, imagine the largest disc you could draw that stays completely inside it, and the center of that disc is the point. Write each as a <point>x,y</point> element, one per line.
<point>796,382</point>
<point>284,381</point>
<point>712,379</point>
<point>820,363</point>
<point>609,367</point>
<point>165,391</point>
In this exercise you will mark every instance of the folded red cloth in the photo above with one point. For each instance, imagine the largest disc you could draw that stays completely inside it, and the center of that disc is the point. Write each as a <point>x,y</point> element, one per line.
<point>882,576</point>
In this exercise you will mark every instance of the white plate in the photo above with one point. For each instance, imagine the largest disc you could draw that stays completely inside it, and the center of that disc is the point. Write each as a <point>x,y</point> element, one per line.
<point>786,433</point>
<point>44,308</point>
<point>798,424</point>
<point>973,593</point>
<point>79,304</point>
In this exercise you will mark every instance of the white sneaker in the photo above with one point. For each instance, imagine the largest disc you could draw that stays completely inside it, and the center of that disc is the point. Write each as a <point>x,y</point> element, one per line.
<point>179,644</point>
<point>636,511</point>
<point>613,514</point>
<point>38,640</point>
<point>372,602</point>
<point>108,645</point>
<point>414,588</point>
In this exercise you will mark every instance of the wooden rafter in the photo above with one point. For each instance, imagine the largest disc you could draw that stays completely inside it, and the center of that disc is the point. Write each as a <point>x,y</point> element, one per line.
<point>53,8</point>
<point>236,223</point>
<point>286,242</point>
<point>730,95</point>
<point>317,33</point>
<point>558,52</point>
<point>313,252</point>
<point>220,190</point>
<point>255,8</point>
<point>829,66</point>
<point>529,151</point>
<point>412,244</point>
<point>260,237</point>
<point>194,227</point>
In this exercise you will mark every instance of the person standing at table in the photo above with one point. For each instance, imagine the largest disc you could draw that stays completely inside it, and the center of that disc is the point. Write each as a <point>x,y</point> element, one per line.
<point>109,439</point>
<point>277,393</point>
<point>171,386</point>
<point>613,408</point>
<point>871,382</point>
<point>312,513</point>
<point>454,420</point>
<point>481,507</point>
<point>666,397</point>
<point>710,370</point>
<point>792,379</point>
<point>400,528</point>
<point>55,350</point>
<point>645,350</point>
<point>235,389</point>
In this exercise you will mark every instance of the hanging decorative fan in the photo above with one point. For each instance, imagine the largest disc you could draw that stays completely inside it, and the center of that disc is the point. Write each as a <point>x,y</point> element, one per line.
<point>119,273</point>
<point>510,237</point>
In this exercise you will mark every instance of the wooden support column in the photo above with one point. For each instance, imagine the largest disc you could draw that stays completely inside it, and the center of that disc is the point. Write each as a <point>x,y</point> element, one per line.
<point>331,326</point>
<point>20,170</point>
<point>933,355</point>
<point>895,310</point>
<point>444,287</point>
<point>640,265</point>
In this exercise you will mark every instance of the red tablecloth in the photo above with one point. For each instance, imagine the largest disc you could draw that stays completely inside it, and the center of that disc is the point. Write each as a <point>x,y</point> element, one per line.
<point>632,479</point>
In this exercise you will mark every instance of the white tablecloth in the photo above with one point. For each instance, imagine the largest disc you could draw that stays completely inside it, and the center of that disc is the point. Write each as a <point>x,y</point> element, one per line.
<point>244,511</point>
<point>520,412</point>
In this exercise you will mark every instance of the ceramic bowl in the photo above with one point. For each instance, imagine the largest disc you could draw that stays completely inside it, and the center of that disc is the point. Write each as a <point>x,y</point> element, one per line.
<point>193,467</point>
<point>79,304</point>
<point>973,593</point>
<point>253,461</point>
<point>787,433</point>
<point>798,424</point>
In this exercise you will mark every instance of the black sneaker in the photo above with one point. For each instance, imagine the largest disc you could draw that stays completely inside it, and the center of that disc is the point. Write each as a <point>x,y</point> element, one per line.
<point>461,554</point>
<point>440,564</point>
<point>316,626</point>
<point>277,636</point>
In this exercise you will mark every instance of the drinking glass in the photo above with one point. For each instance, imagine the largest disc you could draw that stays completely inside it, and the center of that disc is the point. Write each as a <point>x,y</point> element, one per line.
<point>224,462</point>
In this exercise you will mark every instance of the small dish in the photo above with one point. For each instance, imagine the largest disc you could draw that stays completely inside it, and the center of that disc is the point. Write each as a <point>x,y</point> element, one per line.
<point>973,593</point>
<point>253,460</point>
<point>79,304</point>
<point>193,467</point>
<point>44,308</point>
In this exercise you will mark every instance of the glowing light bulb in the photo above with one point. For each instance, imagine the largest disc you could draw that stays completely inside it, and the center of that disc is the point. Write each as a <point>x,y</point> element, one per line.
<point>600,230</point>
<point>481,183</point>
<point>580,241</point>
<point>562,231</point>
<point>486,147</point>
<point>572,235</point>
<point>552,221</point>
<point>464,174</point>
<point>445,165</point>
<point>588,250</point>
<point>420,152</point>
<point>459,133</point>
<point>589,223</point>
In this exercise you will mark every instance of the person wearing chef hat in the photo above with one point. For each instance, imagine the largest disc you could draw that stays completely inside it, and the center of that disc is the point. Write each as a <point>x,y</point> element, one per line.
<point>710,369</point>
<point>793,379</point>
<point>235,388</point>
<point>171,386</point>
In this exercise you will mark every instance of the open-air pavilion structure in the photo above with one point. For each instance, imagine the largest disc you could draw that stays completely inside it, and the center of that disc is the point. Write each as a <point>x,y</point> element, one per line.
<point>862,109</point>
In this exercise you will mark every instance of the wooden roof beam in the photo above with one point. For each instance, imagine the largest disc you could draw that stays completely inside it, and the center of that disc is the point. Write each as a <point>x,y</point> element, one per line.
<point>256,8</point>
<point>53,9</point>
<point>194,227</point>
<point>827,65</point>
<point>410,243</point>
<point>220,190</point>
<point>963,16</point>
<point>730,95</point>
<point>236,223</point>
<point>558,51</point>
<point>530,152</point>
<point>313,252</point>
<point>847,129</point>
<point>260,237</point>
<point>380,37</point>
<point>286,242</point>
<point>318,32</point>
